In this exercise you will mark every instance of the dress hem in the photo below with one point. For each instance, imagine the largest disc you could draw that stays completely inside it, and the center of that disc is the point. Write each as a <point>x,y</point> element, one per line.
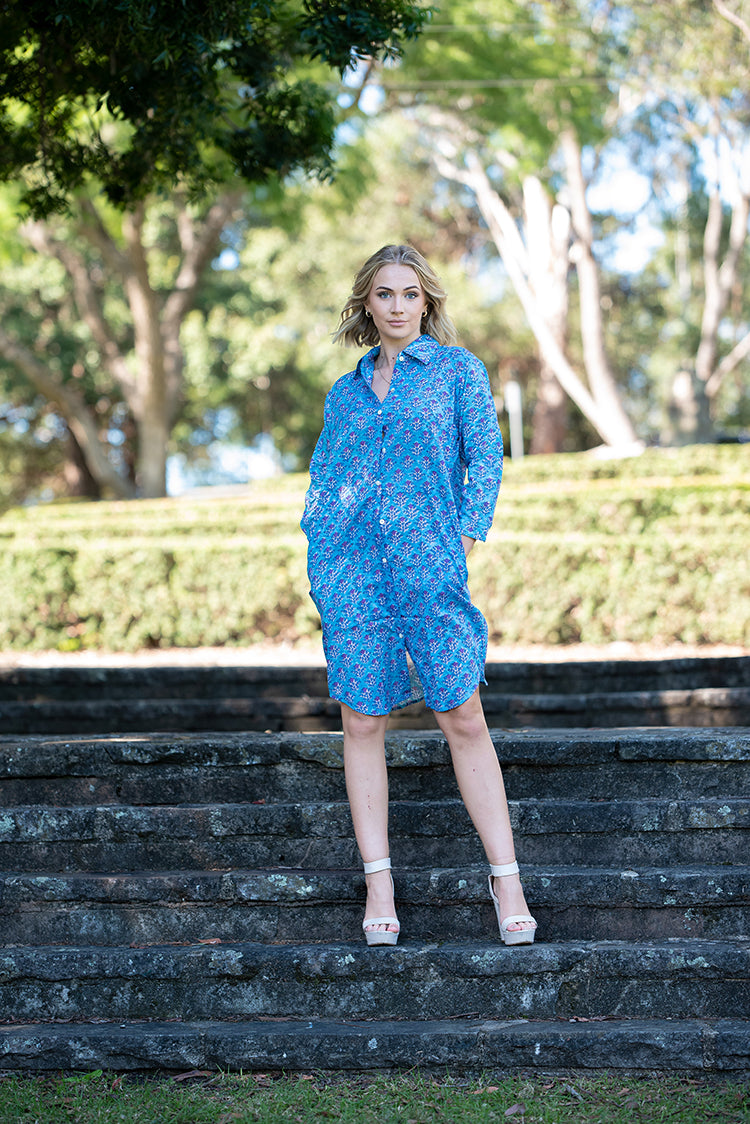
<point>409,702</point>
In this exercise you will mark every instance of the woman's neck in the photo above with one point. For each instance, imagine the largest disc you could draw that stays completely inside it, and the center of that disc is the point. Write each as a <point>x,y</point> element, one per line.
<point>386,360</point>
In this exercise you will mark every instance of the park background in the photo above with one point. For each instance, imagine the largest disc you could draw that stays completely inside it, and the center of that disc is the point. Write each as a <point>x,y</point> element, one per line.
<point>578,174</point>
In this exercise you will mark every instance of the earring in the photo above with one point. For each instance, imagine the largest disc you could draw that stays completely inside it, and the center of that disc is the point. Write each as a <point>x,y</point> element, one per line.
<point>367,312</point>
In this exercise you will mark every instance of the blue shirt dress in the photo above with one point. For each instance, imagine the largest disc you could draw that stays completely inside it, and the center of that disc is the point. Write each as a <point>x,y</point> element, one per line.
<point>393,486</point>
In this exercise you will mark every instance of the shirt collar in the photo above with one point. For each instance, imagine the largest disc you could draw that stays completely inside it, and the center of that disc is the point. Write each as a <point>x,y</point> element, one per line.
<point>422,349</point>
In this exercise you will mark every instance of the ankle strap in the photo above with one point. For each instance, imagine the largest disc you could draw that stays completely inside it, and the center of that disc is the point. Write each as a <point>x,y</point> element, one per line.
<point>503,871</point>
<point>378,864</point>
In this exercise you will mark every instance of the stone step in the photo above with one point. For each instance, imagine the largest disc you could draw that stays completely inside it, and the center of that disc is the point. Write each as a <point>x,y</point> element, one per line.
<point>702,707</point>
<point>605,979</point>
<point>699,1046</point>
<point>319,835</point>
<point>285,905</point>
<point>243,768</point>
<point>210,682</point>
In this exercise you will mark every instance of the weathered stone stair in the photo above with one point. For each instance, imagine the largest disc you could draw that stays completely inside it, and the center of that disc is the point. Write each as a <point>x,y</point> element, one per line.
<point>192,900</point>
<point>705,691</point>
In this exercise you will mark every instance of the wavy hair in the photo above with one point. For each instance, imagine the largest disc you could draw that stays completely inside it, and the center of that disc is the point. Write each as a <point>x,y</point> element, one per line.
<point>356,329</point>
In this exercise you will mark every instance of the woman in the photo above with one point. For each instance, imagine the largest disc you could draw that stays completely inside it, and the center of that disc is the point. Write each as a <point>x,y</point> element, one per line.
<point>404,480</point>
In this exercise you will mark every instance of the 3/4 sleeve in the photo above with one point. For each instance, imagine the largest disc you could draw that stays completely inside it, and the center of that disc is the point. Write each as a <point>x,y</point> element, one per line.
<point>315,498</point>
<point>481,449</point>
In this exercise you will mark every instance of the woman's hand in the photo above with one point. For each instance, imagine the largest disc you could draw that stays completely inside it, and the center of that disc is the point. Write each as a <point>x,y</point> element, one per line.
<point>467,544</point>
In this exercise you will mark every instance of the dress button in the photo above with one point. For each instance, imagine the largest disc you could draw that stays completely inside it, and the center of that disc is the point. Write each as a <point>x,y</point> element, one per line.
<point>382,522</point>
<point>384,561</point>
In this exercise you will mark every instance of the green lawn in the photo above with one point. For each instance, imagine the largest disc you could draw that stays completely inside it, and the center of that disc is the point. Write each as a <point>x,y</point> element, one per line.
<point>200,1097</point>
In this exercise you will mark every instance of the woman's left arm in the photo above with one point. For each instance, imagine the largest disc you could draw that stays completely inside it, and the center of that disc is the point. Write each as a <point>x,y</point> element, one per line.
<point>481,451</point>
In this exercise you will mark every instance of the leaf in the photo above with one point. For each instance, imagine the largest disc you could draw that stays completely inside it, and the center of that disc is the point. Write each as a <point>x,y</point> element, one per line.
<point>192,1073</point>
<point>516,1110</point>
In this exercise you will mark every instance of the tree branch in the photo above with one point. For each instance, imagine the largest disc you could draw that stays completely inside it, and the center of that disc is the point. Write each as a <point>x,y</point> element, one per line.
<point>739,352</point>
<point>76,413</point>
<point>199,245</point>
<point>87,300</point>
<point>601,378</point>
<point>719,276</point>
<point>199,242</point>
<point>506,237</point>
<point>728,14</point>
<point>95,232</point>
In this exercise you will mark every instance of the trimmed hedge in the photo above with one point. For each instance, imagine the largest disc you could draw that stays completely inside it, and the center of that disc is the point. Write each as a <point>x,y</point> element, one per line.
<point>654,548</point>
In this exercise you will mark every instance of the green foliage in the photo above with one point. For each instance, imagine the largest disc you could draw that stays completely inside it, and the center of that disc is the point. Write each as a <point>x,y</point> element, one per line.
<point>652,549</point>
<point>38,584</point>
<point>519,73</point>
<point>141,96</point>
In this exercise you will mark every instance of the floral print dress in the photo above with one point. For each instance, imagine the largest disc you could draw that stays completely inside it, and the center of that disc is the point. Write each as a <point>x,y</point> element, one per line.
<point>393,486</point>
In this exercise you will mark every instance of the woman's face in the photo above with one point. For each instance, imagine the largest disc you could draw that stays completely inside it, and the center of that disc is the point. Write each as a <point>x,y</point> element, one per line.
<point>396,301</point>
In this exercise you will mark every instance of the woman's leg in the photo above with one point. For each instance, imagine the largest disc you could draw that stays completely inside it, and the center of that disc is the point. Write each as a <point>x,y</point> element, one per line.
<point>367,789</point>
<point>480,782</point>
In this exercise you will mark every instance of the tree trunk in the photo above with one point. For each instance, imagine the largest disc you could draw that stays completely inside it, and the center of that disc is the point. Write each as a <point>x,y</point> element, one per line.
<point>688,412</point>
<point>605,419</point>
<point>153,442</point>
<point>719,279</point>
<point>149,402</point>
<point>598,371</point>
<point>547,239</point>
<point>79,480</point>
<point>549,420</point>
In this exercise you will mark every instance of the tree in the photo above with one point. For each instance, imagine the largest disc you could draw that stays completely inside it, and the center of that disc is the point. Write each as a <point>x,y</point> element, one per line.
<point>137,347</point>
<point>142,96</point>
<point>257,347</point>
<point>680,101</point>
<point>126,101</point>
<point>516,143</point>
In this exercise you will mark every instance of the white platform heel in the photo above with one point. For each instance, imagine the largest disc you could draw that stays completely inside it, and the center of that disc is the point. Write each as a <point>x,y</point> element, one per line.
<point>379,936</point>
<point>510,936</point>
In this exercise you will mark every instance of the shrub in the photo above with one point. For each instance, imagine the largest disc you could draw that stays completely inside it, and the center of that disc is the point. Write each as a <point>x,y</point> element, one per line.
<point>653,548</point>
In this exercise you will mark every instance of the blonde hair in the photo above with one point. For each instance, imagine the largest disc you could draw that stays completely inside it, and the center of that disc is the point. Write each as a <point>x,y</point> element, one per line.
<point>356,328</point>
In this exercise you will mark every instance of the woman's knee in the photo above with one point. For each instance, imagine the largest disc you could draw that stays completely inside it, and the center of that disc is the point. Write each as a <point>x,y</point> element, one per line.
<point>362,726</point>
<point>464,722</point>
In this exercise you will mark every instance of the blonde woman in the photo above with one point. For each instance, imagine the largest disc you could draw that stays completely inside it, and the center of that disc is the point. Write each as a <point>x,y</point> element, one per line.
<point>403,481</point>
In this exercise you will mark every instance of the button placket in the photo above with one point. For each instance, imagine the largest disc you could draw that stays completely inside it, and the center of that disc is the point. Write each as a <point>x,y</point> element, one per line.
<point>378,484</point>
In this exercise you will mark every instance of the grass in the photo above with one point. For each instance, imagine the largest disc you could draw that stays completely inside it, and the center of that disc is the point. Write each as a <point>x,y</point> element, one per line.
<point>207,1098</point>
